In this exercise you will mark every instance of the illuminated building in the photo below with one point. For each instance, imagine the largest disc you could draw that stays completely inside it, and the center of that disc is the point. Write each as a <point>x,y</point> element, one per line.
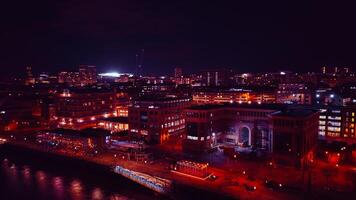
<point>114,124</point>
<point>122,111</point>
<point>329,97</point>
<point>245,125</point>
<point>263,127</point>
<point>44,78</point>
<point>80,108</point>
<point>348,123</point>
<point>335,70</point>
<point>87,74</point>
<point>30,80</point>
<point>203,125</point>
<point>216,77</point>
<point>192,168</point>
<point>70,78</point>
<point>210,96</point>
<point>178,73</point>
<point>158,117</point>
<point>122,103</point>
<point>330,122</point>
<point>88,140</point>
<point>295,134</point>
<point>293,93</point>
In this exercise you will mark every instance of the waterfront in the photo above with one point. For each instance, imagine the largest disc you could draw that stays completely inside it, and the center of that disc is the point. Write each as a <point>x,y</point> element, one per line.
<point>27,177</point>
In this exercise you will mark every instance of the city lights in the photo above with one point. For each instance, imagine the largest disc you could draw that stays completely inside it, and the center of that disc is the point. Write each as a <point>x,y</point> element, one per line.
<point>222,100</point>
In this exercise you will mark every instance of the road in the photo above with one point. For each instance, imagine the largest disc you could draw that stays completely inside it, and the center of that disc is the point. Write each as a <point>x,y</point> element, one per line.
<point>233,174</point>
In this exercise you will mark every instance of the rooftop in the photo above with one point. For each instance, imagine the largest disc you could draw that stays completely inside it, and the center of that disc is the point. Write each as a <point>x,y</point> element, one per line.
<point>159,98</point>
<point>295,113</point>
<point>243,105</point>
<point>117,119</point>
<point>89,132</point>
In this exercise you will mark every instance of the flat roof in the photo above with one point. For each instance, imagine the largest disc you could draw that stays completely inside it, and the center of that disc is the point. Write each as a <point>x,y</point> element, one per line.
<point>89,132</point>
<point>236,105</point>
<point>160,98</point>
<point>117,119</point>
<point>295,113</point>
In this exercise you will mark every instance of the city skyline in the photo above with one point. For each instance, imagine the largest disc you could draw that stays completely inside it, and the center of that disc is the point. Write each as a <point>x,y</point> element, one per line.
<point>137,99</point>
<point>241,36</point>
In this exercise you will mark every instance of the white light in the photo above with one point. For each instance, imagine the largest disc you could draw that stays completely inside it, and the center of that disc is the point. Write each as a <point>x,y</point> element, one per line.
<point>282,73</point>
<point>317,95</point>
<point>332,95</point>
<point>115,74</point>
<point>110,74</point>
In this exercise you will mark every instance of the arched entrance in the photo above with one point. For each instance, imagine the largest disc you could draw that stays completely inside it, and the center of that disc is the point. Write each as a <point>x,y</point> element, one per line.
<point>245,136</point>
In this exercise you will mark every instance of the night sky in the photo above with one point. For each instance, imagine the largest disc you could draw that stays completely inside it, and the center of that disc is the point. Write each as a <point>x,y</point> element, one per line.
<point>196,35</point>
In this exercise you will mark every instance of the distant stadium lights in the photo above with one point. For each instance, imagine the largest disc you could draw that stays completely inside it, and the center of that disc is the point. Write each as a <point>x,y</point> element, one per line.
<point>115,74</point>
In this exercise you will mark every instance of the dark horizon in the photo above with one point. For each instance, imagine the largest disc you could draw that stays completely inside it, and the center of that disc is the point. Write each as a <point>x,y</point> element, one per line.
<point>246,37</point>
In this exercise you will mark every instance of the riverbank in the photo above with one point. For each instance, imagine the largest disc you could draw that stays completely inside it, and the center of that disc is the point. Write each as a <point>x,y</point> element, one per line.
<point>28,174</point>
<point>181,189</point>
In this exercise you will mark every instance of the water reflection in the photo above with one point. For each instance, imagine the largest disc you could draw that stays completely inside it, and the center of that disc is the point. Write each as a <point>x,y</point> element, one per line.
<point>58,187</point>
<point>118,197</point>
<point>76,189</point>
<point>41,180</point>
<point>26,173</point>
<point>21,179</point>
<point>97,194</point>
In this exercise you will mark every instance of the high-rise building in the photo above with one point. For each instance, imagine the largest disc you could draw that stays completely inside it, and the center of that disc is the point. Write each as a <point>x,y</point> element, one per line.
<point>216,77</point>
<point>348,122</point>
<point>178,72</point>
<point>335,70</point>
<point>29,76</point>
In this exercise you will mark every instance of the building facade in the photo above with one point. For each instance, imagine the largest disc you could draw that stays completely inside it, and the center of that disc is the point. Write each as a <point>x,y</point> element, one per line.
<point>293,93</point>
<point>295,135</point>
<point>245,125</point>
<point>81,108</point>
<point>156,118</point>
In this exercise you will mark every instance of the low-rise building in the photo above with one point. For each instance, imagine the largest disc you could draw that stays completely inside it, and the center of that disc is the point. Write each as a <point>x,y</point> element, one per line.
<point>114,124</point>
<point>80,108</point>
<point>295,135</point>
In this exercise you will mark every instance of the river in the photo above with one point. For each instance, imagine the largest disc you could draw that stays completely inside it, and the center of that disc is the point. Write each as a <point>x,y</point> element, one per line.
<point>32,176</point>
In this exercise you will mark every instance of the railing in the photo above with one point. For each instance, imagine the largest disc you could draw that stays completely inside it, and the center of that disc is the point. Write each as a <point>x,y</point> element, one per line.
<point>157,184</point>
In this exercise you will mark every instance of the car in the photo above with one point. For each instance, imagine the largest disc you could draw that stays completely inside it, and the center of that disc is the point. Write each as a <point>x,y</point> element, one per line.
<point>250,188</point>
<point>212,177</point>
<point>273,184</point>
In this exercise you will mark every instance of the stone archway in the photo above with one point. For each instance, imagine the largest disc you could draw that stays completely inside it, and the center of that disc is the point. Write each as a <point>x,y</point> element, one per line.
<point>244,135</point>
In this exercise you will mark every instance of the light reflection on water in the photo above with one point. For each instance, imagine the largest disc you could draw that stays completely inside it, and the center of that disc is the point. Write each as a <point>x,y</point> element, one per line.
<point>97,194</point>
<point>41,180</point>
<point>76,189</point>
<point>26,173</point>
<point>26,181</point>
